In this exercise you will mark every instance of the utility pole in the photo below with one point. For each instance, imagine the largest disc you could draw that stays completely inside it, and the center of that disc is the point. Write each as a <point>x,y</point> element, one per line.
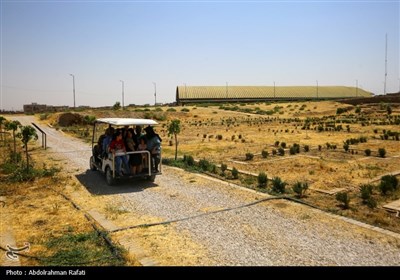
<point>73,87</point>
<point>317,88</point>
<point>122,94</point>
<point>274,90</point>
<point>356,88</point>
<point>384,86</point>
<point>155,93</point>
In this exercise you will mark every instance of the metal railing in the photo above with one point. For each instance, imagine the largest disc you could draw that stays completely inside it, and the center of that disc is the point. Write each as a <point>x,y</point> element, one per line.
<point>137,152</point>
<point>44,136</point>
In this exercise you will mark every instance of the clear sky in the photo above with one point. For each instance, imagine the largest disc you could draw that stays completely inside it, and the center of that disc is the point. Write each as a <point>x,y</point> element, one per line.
<point>174,43</point>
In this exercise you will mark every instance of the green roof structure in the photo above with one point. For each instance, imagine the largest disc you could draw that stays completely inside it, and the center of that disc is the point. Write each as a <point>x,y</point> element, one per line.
<point>196,94</point>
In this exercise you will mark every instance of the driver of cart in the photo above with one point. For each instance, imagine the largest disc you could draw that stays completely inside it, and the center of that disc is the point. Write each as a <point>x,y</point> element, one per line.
<point>117,148</point>
<point>154,146</point>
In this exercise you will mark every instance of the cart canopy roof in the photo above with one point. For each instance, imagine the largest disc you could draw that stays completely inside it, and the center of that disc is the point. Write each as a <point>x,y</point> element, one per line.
<point>126,121</point>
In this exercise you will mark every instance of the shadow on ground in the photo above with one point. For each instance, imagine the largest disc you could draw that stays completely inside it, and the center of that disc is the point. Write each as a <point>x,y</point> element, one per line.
<point>95,183</point>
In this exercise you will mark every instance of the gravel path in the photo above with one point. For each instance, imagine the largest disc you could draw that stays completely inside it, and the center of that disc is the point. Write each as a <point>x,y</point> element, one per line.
<point>268,233</point>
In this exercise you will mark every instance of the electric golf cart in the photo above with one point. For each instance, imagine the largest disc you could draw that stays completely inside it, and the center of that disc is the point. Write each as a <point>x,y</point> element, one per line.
<point>104,160</point>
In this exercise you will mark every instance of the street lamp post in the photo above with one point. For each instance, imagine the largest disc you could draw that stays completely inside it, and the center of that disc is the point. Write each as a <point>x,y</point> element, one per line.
<point>317,88</point>
<point>155,93</point>
<point>356,88</point>
<point>226,90</point>
<point>122,93</point>
<point>73,87</point>
<point>274,90</point>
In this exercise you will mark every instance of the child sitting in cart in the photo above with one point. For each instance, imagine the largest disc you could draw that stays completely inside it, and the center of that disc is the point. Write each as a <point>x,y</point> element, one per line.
<point>117,146</point>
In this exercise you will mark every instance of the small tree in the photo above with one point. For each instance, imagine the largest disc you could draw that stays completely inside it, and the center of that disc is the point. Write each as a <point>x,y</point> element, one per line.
<point>117,106</point>
<point>343,198</point>
<point>235,173</point>
<point>366,192</point>
<point>27,134</point>
<point>13,125</point>
<point>367,152</point>
<point>388,183</point>
<point>262,180</point>
<point>224,167</point>
<point>174,128</point>
<point>249,156</point>
<point>389,109</point>
<point>300,189</point>
<point>278,185</point>
<point>382,152</point>
<point>264,153</point>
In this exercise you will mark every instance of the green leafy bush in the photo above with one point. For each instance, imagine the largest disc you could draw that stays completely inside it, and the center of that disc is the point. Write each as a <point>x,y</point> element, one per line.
<point>249,156</point>
<point>366,191</point>
<point>235,173</point>
<point>344,199</point>
<point>205,165</point>
<point>300,189</point>
<point>382,152</point>
<point>388,183</point>
<point>189,160</point>
<point>224,167</point>
<point>264,154</point>
<point>262,180</point>
<point>367,152</point>
<point>278,185</point>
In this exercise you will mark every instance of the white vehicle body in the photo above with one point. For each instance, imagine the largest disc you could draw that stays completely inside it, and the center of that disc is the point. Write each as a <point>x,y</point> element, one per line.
<point>106,164</point>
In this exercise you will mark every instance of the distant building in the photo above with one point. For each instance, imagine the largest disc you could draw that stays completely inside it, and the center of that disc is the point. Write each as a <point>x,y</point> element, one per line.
<point>198,94</point>
<point>41,108</point>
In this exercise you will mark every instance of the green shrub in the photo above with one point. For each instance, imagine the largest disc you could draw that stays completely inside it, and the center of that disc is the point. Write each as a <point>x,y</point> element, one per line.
<point>388,183</point>
<point>185,110</point>
<point>262,180</point>
<point>367,152</point>
<point>346,147</point>
<point>224,167</point>
<point>306,148</point>
<point>219,137</point>
<point>235,173</point>
<point>189,160</point>
<point>276,143</point>
<point>264,154</point>
<point>205,165</point>
<point>344,199</point>
<point>281,151</point>
<point>283,145</point>
<point>300,189</point>
<point>382,152</point>
<point>44,116</point>
<point>366,192</point>
<point>371,203</point>
<point>278,185</point>
<point>249,156</point>
<point>274,152</point>
<point>171,110</point>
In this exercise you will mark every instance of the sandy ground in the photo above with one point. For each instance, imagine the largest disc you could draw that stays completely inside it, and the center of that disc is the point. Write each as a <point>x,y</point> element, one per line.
<point>268,233</point>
